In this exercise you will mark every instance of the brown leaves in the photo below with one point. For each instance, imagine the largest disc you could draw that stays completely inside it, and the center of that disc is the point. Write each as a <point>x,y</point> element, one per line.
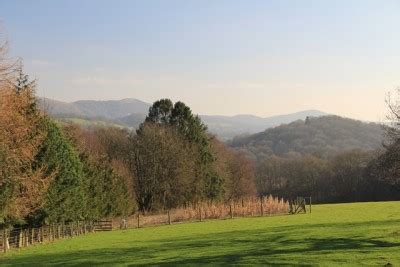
<point>21,133</point>
<point>237,170</point>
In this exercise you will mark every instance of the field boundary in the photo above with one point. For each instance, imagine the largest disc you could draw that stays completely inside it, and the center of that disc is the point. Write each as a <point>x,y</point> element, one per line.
<point>19,237</point>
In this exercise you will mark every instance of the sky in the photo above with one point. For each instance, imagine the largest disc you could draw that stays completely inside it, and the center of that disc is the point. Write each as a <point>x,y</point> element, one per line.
<point>220,57</point>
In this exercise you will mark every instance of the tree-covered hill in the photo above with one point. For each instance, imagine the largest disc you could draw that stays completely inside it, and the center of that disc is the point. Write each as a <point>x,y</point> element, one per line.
<point>110,109</point>
<point>131,112</point>
<point>321,137</point>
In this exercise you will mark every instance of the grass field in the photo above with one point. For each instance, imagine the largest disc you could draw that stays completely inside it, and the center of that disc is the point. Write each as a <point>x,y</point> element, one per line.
<point>343,234</point>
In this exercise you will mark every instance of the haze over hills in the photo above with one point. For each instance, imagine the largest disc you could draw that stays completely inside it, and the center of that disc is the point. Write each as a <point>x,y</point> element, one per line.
<point>231,126</point>
<point>131,112</point>
<point>109,109</point>
<point>322,137</point>
<point>306,132</point>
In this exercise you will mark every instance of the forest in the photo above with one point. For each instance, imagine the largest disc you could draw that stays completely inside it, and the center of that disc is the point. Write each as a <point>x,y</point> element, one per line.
<point>56,172</point>
<point>321,137</point>
<point>52,171</point>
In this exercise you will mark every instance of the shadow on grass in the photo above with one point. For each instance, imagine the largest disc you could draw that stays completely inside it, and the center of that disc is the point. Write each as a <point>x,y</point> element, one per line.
<point>276,246</point>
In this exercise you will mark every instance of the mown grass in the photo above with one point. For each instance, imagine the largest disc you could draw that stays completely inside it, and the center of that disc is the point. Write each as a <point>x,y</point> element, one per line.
<point>342,234</point>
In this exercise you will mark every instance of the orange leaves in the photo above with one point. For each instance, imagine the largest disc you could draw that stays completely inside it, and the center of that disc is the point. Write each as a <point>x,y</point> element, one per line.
<point>21,134</point>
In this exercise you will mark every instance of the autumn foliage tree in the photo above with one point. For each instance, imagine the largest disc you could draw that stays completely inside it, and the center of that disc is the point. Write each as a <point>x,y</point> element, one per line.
<point>237,172</point>
<point>22,187</point>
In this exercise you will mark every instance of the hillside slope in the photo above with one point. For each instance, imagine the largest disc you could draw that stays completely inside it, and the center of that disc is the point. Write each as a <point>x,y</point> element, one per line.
<point>231,126</point>
<point>321,136</point>
<point>110,109</point>
<point>131,112</point>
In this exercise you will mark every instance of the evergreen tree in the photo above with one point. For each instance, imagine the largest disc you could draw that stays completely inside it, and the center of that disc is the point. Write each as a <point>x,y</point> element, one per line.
<point>66,196</point>
<point>106,191</point>
<point>206,184</point>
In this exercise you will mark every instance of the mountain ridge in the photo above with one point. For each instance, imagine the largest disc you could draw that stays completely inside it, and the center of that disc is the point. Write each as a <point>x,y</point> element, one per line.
<point>130,112</point>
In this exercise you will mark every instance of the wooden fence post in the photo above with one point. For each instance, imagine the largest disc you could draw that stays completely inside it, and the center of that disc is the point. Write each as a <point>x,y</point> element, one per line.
<point>32,236</point>
<point>42,234</point>
<point>201,215</point>
<point>26,237</point>
<point>19,238</point>
<point>6,245</point>
<point>169,218</point>
<point>230,210</point>
<point>262,205</point>
<point>51,233</point>
<point>138,220</point>
<point>23,237</point>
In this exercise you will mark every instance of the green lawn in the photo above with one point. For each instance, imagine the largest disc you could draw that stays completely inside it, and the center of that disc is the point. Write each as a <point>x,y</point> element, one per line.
<point>346,234</point>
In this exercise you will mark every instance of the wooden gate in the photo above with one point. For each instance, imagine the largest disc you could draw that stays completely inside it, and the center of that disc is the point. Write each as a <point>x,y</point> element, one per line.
<point>101,226</point>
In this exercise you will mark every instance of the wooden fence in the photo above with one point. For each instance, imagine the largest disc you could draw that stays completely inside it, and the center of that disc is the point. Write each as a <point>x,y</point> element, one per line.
<point>23,237</point>
<point>101,226</point>
<point>267,206</point>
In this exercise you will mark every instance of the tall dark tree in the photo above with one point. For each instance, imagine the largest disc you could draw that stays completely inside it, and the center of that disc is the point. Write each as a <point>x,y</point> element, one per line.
<point>106,192</point>
<point>66,196</point>
<point>206,184</point>
<point>162,164</point>
<point>160,112</point>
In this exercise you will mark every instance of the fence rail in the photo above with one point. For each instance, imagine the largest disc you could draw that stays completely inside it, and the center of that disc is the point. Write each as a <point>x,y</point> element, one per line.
<point>24,237</point>
<point>266,206</point>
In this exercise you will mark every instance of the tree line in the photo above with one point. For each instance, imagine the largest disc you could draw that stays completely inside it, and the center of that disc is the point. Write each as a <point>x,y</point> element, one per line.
<point>54,172</point>
<point>346,176</point>
<point>57,172</point>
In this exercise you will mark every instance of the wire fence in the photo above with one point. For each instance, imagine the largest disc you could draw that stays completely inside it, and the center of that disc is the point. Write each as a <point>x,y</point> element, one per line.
<point>20,237</point>
<point>266,206</point>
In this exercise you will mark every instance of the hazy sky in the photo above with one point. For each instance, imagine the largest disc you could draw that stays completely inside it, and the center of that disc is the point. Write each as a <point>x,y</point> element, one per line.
<point>220,57</point>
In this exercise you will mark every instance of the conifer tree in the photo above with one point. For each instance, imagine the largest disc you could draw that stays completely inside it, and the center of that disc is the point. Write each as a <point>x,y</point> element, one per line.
<point>65,197</point>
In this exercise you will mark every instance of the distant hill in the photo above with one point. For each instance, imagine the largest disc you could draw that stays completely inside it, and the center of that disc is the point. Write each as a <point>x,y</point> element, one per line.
<point>321,136</point>
<point>131,112</point>
<point>110,109</point>
<point>133,120</point>
<point>229,127</point>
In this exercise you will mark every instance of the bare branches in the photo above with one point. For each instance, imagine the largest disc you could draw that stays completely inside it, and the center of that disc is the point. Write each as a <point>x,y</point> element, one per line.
<point>8,66</point>
<point>393,127</point>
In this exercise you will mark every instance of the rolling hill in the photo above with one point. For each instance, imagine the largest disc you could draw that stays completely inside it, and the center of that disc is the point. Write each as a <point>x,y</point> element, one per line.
<point>321,137</point>
<point>110,109</point>
<point>230,127</point>
<point>131,112</point>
